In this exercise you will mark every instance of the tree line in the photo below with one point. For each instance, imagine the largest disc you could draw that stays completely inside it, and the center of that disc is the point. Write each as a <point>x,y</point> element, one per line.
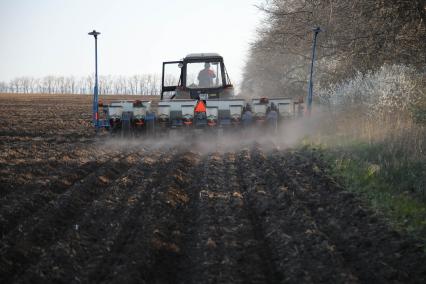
<point>146,84</point>
<point>358,36</point>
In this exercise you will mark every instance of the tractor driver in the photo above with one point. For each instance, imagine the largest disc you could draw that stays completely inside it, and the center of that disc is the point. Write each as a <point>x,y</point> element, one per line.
<point>206,76</point>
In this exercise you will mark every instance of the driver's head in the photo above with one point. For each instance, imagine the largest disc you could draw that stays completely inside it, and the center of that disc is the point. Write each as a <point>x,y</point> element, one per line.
<point>207,65</point>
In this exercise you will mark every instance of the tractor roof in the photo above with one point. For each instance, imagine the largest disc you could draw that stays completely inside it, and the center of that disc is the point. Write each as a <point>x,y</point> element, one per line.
<point>202,56</point>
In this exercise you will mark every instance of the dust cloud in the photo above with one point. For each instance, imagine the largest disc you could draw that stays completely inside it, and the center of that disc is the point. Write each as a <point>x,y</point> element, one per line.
<point>288,134</point>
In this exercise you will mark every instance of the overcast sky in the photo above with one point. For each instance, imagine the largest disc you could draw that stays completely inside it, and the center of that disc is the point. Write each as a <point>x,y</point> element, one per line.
<point>49,37</point>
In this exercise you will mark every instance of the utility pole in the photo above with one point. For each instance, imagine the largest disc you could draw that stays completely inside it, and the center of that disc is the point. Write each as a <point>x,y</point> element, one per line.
<point>316,31</point>
<point>96,89</point>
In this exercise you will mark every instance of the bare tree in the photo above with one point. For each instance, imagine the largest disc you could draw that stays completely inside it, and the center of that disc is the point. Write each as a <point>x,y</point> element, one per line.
<point>360,36</point>
<point>146,84</point>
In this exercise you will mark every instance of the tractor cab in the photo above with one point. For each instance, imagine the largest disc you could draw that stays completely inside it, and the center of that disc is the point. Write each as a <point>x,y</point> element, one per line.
<point>199,76</point>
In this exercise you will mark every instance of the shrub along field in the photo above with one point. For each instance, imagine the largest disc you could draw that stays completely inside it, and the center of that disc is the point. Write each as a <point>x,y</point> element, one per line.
<point>372,135</point>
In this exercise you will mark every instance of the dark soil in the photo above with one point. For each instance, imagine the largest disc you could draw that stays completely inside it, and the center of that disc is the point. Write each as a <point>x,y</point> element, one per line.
<point>79,210</point>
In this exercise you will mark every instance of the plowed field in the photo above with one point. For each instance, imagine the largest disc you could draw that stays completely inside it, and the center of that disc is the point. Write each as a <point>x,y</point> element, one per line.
<point>79,208</point>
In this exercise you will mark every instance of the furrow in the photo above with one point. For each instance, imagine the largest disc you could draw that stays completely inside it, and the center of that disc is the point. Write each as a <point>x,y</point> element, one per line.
<point>148,248</point>
<point>247,186</point>
<point>22,202</point>
<point>85,245</point>
<point>356,233</point>
<point>299,253</point>
<point>25,244</point>
<point>220,246</point>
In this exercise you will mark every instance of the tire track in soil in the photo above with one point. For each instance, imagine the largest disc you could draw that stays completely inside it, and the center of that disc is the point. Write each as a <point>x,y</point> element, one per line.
<point>221,246</point>
<point>24,245</point>
<point>265,251</point>
<point>299,251</point>
<point>22,202</point>
<point>81,250</point>
<point>148,249</point>
<point>358,234</point>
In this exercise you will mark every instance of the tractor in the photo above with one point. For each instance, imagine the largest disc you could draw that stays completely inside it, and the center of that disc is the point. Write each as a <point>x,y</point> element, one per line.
<point>196,94</point>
